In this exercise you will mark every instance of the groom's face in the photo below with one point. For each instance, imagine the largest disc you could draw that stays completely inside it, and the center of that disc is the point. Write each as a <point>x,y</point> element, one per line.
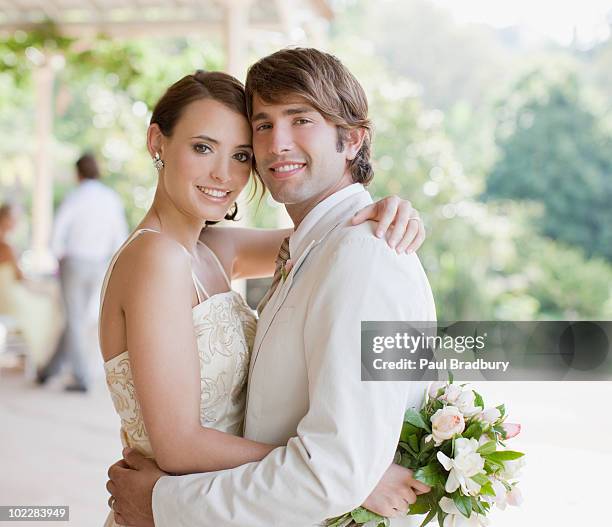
<point>296,150</point>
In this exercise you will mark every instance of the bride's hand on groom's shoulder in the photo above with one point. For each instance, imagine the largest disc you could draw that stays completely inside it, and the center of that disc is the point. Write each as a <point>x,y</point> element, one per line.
<point>130,484</point>
<point>395,492</point>
<point>397,220</point>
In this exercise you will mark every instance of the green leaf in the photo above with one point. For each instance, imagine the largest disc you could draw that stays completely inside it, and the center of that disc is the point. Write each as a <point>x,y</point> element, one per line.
<point>481,479</point>
<point>504,455</point>
<point>429,517</point>
<point>499,429</point>
<point>477,506</point>
<point>414,418</point>
<point>429,474</point>
<point>414,443</point>
<point>450,377</point>
<point>407,460</point>
<point>408,430</point>
<point>441,516</point>
<point>436,405</point>
<point>502,409</point>
<point>339,520</point>
<point>463,503</point>
<point>487,490</point>
<point>361,515</point>
<point>421,505</point>
<point>473,431</point>
<point>426,446</point>
<point>492,466</point>
<point>487,448</point>
<point>408,450</point>
<point>478,400</point>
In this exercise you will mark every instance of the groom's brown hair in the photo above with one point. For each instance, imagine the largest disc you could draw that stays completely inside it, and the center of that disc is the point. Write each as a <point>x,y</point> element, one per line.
<point>323,82</point>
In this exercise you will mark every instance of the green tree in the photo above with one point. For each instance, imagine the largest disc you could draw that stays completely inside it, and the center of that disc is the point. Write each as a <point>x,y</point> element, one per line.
<point>484,259</point>
<point>555,151</point>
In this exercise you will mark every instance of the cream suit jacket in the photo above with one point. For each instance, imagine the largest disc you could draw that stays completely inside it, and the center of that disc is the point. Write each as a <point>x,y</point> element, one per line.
<point>338,434</point>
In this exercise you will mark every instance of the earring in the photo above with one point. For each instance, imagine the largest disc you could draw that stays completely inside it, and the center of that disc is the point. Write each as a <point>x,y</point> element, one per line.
<point>157,162</point>
<point>231,215</point>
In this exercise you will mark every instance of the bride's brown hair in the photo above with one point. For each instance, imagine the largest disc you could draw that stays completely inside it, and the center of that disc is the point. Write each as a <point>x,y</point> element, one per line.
<point>214,85</point>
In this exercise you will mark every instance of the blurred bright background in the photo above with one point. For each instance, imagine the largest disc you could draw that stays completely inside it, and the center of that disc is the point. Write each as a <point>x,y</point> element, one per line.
<point>493,118</point>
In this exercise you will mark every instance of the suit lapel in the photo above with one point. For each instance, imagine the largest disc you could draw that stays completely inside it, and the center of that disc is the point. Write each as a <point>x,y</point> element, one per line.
<point>277,301</point>
<point>341,213</point>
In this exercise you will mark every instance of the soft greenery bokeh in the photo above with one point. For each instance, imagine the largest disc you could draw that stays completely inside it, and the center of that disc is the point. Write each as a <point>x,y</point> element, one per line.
<point>506,150</point>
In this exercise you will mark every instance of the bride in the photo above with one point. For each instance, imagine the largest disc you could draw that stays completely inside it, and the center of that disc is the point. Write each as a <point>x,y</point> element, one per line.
<point>180,389</point>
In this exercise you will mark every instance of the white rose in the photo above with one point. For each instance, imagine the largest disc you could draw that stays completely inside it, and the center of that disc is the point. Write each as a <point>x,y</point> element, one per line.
<point>465,403</point>
<point>452,393</point>
<point>500,493</point>
<point>466,463</point>
<point>512,469</point>
<point>435,387</point>
<point>446,423</point>
<point>489,415</point>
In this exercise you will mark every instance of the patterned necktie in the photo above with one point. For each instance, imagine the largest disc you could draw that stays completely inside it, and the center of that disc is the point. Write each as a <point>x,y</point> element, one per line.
<point>281,260</point>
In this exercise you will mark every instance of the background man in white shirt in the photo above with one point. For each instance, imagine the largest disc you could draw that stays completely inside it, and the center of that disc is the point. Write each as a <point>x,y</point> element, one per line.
<point>336,434</point>
<point>89,227</point>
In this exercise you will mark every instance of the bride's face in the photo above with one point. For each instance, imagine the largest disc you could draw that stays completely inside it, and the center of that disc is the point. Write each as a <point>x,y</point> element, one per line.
<point>207,159</point>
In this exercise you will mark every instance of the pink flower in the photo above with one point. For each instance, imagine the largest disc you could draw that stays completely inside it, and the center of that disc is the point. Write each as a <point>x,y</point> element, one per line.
<point>446,423</point>
<point>286,269</point>
<point>511,429</point>
<point>514,497</point>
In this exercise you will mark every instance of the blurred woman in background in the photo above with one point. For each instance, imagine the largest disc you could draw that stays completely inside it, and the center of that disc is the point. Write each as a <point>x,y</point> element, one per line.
<point>27,313</point>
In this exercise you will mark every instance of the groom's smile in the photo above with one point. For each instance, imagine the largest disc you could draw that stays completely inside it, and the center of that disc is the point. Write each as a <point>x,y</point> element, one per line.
<point>297,150</point>
<point>285,169</point>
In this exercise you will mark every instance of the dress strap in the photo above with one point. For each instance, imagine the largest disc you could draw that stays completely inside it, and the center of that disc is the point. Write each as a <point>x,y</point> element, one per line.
<point>216,259</point>
<point>200,291</point>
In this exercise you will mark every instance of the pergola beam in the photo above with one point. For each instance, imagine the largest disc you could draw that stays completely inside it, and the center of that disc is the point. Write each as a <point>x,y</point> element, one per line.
<point>134,29</point>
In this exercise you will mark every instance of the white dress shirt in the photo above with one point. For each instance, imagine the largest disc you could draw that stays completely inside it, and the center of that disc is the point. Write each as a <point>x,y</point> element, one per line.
<point>90,223</point>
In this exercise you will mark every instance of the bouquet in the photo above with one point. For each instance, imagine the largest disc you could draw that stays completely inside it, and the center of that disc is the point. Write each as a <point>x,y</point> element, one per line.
<point>455,445</point>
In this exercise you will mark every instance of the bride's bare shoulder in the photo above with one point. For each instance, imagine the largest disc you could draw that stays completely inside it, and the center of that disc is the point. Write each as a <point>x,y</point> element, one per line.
<point>151,255</point>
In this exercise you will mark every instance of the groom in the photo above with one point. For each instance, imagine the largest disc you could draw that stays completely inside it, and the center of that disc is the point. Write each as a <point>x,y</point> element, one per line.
<point>311,138</point>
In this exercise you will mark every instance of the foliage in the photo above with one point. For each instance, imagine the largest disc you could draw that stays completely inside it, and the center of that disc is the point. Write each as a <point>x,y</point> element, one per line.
<point>484,260</point>
<point>554,151</point>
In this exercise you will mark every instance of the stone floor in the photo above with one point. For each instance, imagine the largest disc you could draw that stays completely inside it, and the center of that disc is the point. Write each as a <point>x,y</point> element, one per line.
<point>55,449</point>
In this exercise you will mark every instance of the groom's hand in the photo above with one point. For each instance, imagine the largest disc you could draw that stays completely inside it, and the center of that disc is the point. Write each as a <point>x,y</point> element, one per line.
<point>131,482</point>
<point>395,492</point>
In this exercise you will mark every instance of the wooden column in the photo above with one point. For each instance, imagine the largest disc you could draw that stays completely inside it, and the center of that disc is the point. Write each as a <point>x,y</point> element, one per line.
<point>236,36</point>
<point>42,193</point>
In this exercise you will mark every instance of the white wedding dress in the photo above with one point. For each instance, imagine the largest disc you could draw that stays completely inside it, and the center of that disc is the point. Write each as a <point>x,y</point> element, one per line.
<point>225,329</point>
